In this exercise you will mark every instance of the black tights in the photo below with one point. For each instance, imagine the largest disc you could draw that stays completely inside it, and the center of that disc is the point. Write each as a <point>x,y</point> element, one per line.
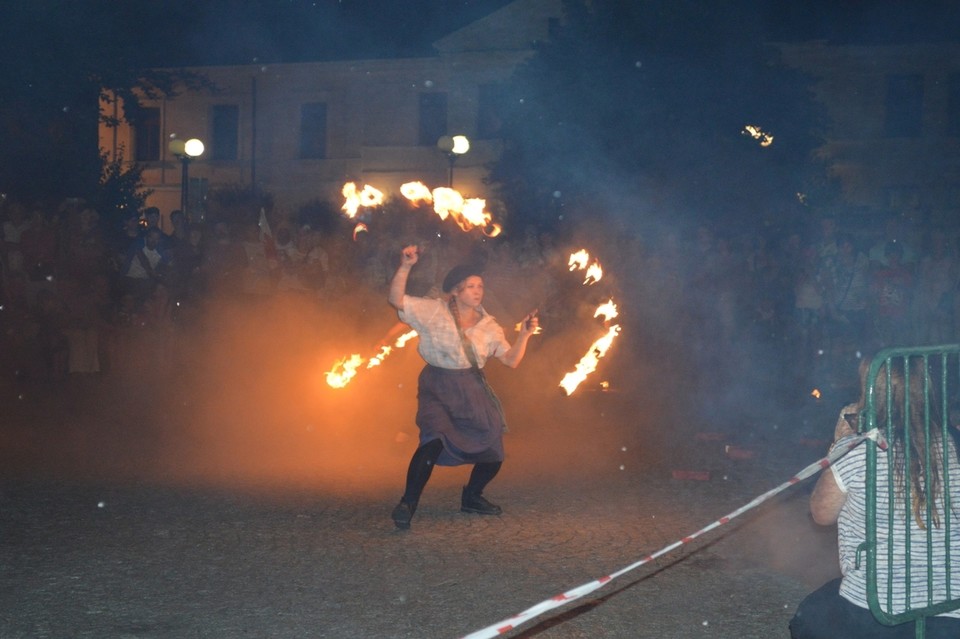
<point>421,467</point>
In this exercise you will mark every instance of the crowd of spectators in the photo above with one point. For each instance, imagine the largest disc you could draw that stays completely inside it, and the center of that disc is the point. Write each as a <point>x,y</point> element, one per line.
<point>72,287</point>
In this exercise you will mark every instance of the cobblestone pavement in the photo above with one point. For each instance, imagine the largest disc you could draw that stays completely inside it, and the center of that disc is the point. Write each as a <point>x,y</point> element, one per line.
<point>251,512</point>
<point>102,560</point>
<point>115,556</point>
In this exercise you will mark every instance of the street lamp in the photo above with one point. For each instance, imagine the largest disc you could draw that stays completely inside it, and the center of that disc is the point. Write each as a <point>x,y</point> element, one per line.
<point>185,151</point>
<point>453,147</point>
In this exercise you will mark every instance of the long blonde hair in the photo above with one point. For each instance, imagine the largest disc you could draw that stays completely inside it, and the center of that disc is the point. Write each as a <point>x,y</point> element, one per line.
<point>899,384</point>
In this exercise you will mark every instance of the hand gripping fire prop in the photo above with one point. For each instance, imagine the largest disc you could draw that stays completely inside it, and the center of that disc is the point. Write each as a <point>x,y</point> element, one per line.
<point>511,623</point>
<point>347,367</point>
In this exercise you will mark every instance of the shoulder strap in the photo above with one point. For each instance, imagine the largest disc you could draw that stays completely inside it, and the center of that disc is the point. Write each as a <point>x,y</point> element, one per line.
<point>466,343</point>
<point>472,356</point>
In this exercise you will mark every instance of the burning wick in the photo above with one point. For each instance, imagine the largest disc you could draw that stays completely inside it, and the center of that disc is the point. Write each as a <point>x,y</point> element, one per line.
<point>367,197</point>
<point>758,134</point>
<point>580,260</point>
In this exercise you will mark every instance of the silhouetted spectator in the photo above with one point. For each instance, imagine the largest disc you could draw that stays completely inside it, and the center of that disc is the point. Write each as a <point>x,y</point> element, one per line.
<point>937,276</point>
<point>144,268</point>
<point>891,300</point>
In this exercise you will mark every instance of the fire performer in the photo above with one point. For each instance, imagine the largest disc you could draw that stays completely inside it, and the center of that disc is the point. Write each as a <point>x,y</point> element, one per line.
<point>459,416</point>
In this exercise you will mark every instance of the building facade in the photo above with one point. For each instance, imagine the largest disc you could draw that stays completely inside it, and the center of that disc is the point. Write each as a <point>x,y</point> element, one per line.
<point>300,131</point>
<point>893,141</point>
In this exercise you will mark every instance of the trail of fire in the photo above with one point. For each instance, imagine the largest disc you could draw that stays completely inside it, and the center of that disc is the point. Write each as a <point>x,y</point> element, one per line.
<point>468,213</point>
<point>580,261</point>
<point>346,368</point>
<point>591,359</point>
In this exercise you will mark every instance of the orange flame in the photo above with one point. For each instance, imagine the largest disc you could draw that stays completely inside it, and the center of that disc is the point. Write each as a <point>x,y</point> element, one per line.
<point>346,369</point>
<point>343,371</point>
<point>468,213</point>
<point>580,260</point>
<point>538,330</point>
<point>416,192</point>
<point>377,359</point>
<point>757,133</point>
<point>354,199</point>
<point>594,273</point>
<point>608,310</point>
<point>589,362</point>
<point>403,339</point>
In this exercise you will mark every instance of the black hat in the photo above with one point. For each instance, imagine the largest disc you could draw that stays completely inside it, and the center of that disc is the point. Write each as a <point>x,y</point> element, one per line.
<point>459,273</point>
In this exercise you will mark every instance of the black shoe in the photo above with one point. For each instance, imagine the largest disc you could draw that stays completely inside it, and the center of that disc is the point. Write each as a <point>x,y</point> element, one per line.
<point>402,515</point>
<point>475,503</point>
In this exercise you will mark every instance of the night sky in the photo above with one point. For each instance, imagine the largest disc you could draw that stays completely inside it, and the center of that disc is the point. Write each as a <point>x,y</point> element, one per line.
<point>186,32</point>
<point>58,54</point>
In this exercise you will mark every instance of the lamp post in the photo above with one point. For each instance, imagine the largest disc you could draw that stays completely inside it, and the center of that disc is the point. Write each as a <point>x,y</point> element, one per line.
<point>185,151</point>
<point>453,147</point>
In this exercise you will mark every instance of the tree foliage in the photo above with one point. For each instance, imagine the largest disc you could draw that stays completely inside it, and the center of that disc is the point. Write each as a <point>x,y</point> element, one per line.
<point>60,56</point>
<point>643,107</point>
<point>120,188</point>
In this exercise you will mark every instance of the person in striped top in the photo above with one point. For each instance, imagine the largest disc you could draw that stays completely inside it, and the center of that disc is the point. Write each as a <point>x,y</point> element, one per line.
<point>840,607</point>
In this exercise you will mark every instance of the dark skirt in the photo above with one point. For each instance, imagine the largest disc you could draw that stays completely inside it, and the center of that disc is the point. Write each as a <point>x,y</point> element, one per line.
<point>457,407</point>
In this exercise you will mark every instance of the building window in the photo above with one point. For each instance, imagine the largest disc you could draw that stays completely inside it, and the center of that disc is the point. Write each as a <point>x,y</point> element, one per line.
<point>433,117</point>
<point>953,105</point>
<point>489,121</point>
<point>226,128</point>
<point>146,135</point>
<point>313,131</point>
<point>904,106</point>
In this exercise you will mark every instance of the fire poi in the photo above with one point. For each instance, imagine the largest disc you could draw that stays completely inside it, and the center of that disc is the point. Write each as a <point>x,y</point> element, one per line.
<point>580,260</point>
<point>346,368</point>
<point>468,213</point>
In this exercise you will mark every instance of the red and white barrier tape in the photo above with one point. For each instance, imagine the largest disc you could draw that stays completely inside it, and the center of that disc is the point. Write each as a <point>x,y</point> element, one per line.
<point>510,623</point>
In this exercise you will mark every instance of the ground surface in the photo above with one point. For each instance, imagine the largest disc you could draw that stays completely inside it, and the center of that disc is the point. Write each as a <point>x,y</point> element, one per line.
<point>200,495</point>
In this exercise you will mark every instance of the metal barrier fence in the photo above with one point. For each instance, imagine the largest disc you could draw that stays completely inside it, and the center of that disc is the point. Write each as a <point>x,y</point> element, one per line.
<point>918,579</point>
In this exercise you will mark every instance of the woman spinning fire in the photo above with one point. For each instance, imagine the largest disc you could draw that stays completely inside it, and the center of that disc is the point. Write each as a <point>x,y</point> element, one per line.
<point>459,416</point>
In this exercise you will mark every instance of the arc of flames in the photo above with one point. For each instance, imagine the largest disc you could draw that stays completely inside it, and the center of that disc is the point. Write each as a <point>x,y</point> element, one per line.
<point>468,213</point>
<point>580,261</point>
<point>345,369</point>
